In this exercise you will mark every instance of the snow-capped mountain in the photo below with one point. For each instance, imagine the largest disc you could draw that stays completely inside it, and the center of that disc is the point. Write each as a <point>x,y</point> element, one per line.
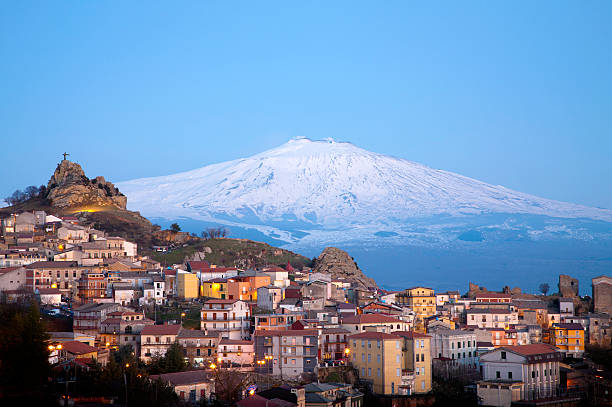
<point>331,185</point>
<point>308,194</point>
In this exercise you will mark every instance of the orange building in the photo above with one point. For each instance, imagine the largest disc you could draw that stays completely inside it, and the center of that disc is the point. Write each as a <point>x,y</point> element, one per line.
<point>92,285</point>
<point>244,287</point>
<point>569,338</point>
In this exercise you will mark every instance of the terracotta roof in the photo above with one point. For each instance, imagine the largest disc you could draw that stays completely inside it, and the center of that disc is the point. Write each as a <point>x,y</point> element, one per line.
<point>184,378</point>
<point>487,311</point>
<point>197,265</point>
<point>112,321</point>
<point>78,348</point>
<point>374,335</point>
<point>569,326</point>
<point>288,332</point>
<point>411,334</point>
<point>9,269</point>
<point>533,349</point>
<point>161,330</point>
<point>369,319</point>
<point>52,264</point>
<point>234,342</point>
<point>220,301</point>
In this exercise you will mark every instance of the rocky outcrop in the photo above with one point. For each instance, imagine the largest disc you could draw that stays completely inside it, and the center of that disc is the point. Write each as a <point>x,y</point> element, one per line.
<point>70,188</point>
<point>339,264</point>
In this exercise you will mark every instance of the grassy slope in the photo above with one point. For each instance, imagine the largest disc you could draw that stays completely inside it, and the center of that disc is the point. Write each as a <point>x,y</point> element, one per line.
<point>235,252</point>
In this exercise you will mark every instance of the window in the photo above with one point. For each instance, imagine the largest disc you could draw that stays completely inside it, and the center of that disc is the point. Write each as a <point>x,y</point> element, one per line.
<point>533,374</point>
<point>498,374</point>
<point>369,357</point>
<point>369,371</point>
<point>363,357</point>
<point>363,371</point>
<point>417,357</point>
<point>378,372</point>
<point>503,355</point>
<point>509,375</point>
<point>378,357</point>
<point>398,372</point>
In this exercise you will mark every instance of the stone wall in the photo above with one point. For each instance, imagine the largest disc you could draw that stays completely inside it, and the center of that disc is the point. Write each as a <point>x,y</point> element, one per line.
<point>568,286</point>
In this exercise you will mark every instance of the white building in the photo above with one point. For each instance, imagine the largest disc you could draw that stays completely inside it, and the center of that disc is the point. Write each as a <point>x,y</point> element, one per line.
<point>513,373</point>
<point>235,351</point>
<point>491,318</point>
<point>229,317</point>
<point>566,307</point>
<point>454,344</point>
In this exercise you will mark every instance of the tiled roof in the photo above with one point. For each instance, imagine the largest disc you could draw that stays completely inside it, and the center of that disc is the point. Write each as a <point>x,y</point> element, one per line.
<point>493,295</point>
<point>52,264</point>
<point>411,334</point>
<point>569,326</point>
<point>369,319</point>
<point>78,348</point>
<point>288,332</point>
<point>234,342</point>
<point>161,330</point>
<point>184,378</point>
<point>533,349</point>
<point>374,335</point>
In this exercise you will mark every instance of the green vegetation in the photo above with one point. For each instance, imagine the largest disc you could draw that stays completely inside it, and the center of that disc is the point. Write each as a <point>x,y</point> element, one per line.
<point>600,355</point>
<point>173,311</point>
<point>24,364</point>
<point>234,253</point>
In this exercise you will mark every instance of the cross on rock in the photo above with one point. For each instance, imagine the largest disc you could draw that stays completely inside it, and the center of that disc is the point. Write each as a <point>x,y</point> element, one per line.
<point>65,154</point>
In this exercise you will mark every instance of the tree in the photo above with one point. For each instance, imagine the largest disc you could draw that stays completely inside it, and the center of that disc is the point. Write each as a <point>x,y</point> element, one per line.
<point>175,227</point>
<point>544,287</point>
<point>172,361</point>
<point>24,356</point>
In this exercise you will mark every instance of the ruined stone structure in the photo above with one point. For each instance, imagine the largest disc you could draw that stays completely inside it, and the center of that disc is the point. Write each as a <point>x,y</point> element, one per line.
<point>602,294</point>
<point>568,286</point>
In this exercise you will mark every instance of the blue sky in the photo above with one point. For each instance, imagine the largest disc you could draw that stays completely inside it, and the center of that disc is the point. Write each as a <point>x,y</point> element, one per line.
<point>514,93</point>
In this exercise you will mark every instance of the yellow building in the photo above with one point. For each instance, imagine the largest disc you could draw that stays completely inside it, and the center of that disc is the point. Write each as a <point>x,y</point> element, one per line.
<point>187,285</point>
<point>215,288</point>
<point>421,300</point>
<point>569,338</point>
<point>394,364</point>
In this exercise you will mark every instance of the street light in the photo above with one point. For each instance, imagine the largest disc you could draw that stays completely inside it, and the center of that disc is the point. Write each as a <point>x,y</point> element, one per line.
<point>212,366</point>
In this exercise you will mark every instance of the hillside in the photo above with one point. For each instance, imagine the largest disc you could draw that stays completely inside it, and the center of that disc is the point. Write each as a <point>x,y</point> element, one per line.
<point>228,252</point>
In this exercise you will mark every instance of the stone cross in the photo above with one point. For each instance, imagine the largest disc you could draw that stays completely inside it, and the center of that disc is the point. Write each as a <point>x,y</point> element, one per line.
<point>65,154</point>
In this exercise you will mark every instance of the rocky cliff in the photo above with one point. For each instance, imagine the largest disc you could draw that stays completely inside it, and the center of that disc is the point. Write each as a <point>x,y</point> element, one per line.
<point>70,188</point>
<point>340,265</point>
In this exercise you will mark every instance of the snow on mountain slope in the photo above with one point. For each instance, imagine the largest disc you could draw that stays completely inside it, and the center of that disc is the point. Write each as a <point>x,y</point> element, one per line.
<point>330,185</point>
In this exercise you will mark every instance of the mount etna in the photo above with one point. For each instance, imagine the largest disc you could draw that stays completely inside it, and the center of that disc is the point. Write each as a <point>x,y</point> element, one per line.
<point>402,221</point>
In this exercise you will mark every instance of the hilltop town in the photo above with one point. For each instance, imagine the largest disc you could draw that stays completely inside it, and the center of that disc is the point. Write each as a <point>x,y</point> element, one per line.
<point>220,321</point>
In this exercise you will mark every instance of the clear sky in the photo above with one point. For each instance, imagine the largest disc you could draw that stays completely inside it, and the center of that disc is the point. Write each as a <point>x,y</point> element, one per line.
<point>516,93</point>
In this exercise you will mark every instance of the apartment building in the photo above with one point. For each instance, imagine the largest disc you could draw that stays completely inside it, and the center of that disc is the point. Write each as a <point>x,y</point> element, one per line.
<point>396,363</point>
<point>383,323</point>
<point>568,338</point>
<point>155,340</point>
<point>287,354</point>
<point>63,275</point>
<point>456,345</point>
<point>491,318</point>
<point>281,322</point>
<point>88,317</point>
<point>421,300</point>
<point>123,328</point>
<point>231,318</point>
<point>526,372</point>
<point>200,349</point>
<point>236,352</point>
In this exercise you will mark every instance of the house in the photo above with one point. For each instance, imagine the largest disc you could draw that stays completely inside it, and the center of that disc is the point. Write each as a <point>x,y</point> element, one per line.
<point>187,285</point>
<point>287,354</point>
<point>421,300</point>
<point>123,328</point>
<point>359,323</point>
<point>229,317</point>
<point>193,386</point>
<point>456,345</point>
<point>333,344</point>
<point>493,297</point>
<point>332,394</point>
<point>280,322</point>
<point>88,318</point>
<point>12,278</point>
<point>91,286</point>
<point>49,296</point>
<point>63,275</point>
<point>397,363</point>
<point>235,352</point>
<point>568,338</point>
<point>526,372</point>
<point>200,349</point>
<point>244,286</point>
<point>79,350</point>
<point>155,340</point>
<point>269,296</point>
<point>491,318</point>
<point>566,307</point>
<point>214,288</point>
